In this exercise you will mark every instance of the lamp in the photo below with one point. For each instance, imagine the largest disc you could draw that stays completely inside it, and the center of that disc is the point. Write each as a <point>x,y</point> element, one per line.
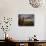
<point>35,3</point>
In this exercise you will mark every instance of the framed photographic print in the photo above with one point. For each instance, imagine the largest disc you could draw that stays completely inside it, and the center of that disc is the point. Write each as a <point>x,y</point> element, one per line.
<point>26,19</point>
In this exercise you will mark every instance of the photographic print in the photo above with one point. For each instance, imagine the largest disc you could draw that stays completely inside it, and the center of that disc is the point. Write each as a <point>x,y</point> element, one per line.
<point>26,19</point>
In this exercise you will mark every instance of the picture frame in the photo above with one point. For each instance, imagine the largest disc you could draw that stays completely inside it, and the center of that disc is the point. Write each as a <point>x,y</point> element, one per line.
<point>26,19</point>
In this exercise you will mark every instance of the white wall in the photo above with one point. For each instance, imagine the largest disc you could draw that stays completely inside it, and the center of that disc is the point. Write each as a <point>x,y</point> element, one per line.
<point>11,8</point>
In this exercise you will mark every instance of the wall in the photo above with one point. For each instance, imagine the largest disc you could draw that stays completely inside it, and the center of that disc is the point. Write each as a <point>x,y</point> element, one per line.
<point>11,8</point>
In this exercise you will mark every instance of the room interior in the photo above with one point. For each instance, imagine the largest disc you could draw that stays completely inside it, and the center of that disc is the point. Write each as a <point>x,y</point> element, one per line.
<point>22,23</point>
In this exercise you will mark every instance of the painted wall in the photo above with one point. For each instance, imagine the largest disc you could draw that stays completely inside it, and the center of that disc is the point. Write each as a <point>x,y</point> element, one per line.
<point>11,8</point>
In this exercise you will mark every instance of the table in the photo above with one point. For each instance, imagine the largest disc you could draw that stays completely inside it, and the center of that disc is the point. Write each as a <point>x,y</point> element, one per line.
<point>27,42</point>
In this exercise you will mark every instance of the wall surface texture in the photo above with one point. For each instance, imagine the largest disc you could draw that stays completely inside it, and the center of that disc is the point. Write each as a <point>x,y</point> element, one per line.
<point>11,8</point>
